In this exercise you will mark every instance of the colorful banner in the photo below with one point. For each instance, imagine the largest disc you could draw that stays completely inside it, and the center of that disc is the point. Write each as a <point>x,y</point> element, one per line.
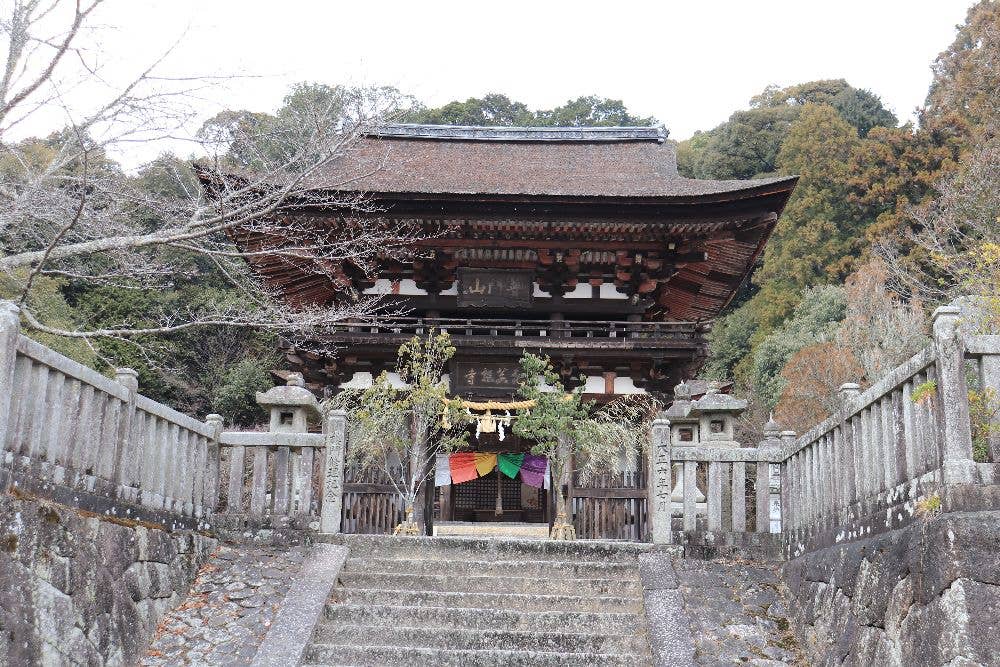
<point>533,470</point>
<point>463,467</point>
<point>467,466</point>
<point>510,464</point>
<point>485,463</point>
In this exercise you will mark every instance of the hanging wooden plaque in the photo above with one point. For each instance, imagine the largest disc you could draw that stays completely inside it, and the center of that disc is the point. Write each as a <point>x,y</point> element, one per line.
<point>489,288</point>
<point>479,377</point>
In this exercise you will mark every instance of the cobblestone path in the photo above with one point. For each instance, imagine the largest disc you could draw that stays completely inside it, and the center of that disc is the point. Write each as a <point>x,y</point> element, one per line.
<point>738,613</point>
<point>229,608</point>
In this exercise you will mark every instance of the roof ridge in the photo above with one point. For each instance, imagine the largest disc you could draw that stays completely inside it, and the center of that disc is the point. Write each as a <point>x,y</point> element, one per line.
<point>656,134</point>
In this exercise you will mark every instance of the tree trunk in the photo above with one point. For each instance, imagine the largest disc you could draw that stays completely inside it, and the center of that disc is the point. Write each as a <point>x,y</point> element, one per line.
<point>414,509</point>
<point>562,527</point>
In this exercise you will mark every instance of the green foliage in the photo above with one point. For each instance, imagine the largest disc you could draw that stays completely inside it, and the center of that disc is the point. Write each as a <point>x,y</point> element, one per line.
<point>499,110</point>
<point>748,144</point>
<point>397,431</point>
<point>557,411</point>
<point>817,239</point>
<point>591,111</point>
<point>47,301</point>
<point>814,320</point>
<point>235,396</point>
<point>929,506</point>
<point>745,146</point>
<point>863,109</point>
<point>729,342</point>
<point>984,409</point>
<point>925,391</point>
<point>491,109</point>
<point>566,428</point>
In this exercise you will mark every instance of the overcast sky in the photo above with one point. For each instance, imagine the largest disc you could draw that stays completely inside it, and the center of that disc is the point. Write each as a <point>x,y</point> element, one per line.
<point>689,64</point>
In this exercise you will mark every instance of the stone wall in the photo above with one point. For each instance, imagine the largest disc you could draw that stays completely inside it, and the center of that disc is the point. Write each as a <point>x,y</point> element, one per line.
<point>85,589</point>
<point>926,594</point>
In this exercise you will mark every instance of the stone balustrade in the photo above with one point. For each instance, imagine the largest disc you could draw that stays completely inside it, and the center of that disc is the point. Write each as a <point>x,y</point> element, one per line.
<point>79,437</point>
<point>66,429</point>
<point>900,447</point>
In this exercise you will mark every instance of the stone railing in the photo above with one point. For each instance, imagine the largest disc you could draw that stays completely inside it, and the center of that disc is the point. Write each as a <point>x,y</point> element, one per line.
<point>67,429</point>
<point>901,447</point>
<point>73,435</point>
<point>906,440</point>
<point>738,508</point>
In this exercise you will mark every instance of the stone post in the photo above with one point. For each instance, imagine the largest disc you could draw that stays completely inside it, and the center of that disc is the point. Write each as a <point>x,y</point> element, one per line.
<point>989,378</point>
<point>335,429</point>
<point>787,488</point>
<point>956,455</point>
<point>10,329</point>
<point>214,422</point>
<point>848,391</point>
<point>128,378</point>
<point>660,503</point>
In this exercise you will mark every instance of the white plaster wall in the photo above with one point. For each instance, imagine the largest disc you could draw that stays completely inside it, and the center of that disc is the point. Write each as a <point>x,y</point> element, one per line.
<point>610,291</point>
<point>581,291</point>
<point>625,385</point>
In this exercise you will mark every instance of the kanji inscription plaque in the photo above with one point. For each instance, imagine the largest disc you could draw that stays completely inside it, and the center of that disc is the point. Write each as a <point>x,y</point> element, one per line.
<point>486,288</point>
<point>477,376</point>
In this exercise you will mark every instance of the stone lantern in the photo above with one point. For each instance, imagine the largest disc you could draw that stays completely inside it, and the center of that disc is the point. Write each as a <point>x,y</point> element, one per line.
<point>716,414</point>
<point>683,427</point>
<point>708,421</point>
<point>291,405</point>
<point>683,433</point>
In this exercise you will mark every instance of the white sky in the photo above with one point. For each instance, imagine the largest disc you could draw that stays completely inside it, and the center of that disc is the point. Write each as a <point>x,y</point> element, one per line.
<point>690,64</point>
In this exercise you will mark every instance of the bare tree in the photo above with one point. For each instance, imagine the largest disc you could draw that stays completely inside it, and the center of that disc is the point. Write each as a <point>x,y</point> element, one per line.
<point>879,329</point>
<point>397,429</point>
<point>957,235</point>
<point>68,211</point>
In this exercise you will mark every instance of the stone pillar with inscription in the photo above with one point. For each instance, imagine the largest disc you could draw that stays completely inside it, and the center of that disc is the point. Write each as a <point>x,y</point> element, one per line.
<point>659,490</point>
<point>335,430</point>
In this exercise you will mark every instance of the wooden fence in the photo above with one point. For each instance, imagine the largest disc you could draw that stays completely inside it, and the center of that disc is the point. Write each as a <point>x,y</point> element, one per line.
<point>612,506</point>
<point>371,504</point>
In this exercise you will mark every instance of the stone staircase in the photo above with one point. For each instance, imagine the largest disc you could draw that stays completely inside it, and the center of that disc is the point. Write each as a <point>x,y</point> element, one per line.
<point>463,601</point>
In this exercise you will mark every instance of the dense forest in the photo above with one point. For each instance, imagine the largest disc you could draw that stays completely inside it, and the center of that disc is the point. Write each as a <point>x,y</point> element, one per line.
<point>887,221</point>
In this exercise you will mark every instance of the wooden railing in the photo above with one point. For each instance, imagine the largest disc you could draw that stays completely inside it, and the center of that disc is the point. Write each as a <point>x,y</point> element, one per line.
<point>517,328</point>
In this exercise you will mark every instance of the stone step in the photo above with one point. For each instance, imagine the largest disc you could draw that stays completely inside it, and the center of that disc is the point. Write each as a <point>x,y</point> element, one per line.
<point>488,600</point>
<point>458,638</point>
<point>333,654</point>
<point>504,529</point>
<point>363,577</point>
<point>457,567</point>
<point>487,619</point>
<point>383,546</point>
